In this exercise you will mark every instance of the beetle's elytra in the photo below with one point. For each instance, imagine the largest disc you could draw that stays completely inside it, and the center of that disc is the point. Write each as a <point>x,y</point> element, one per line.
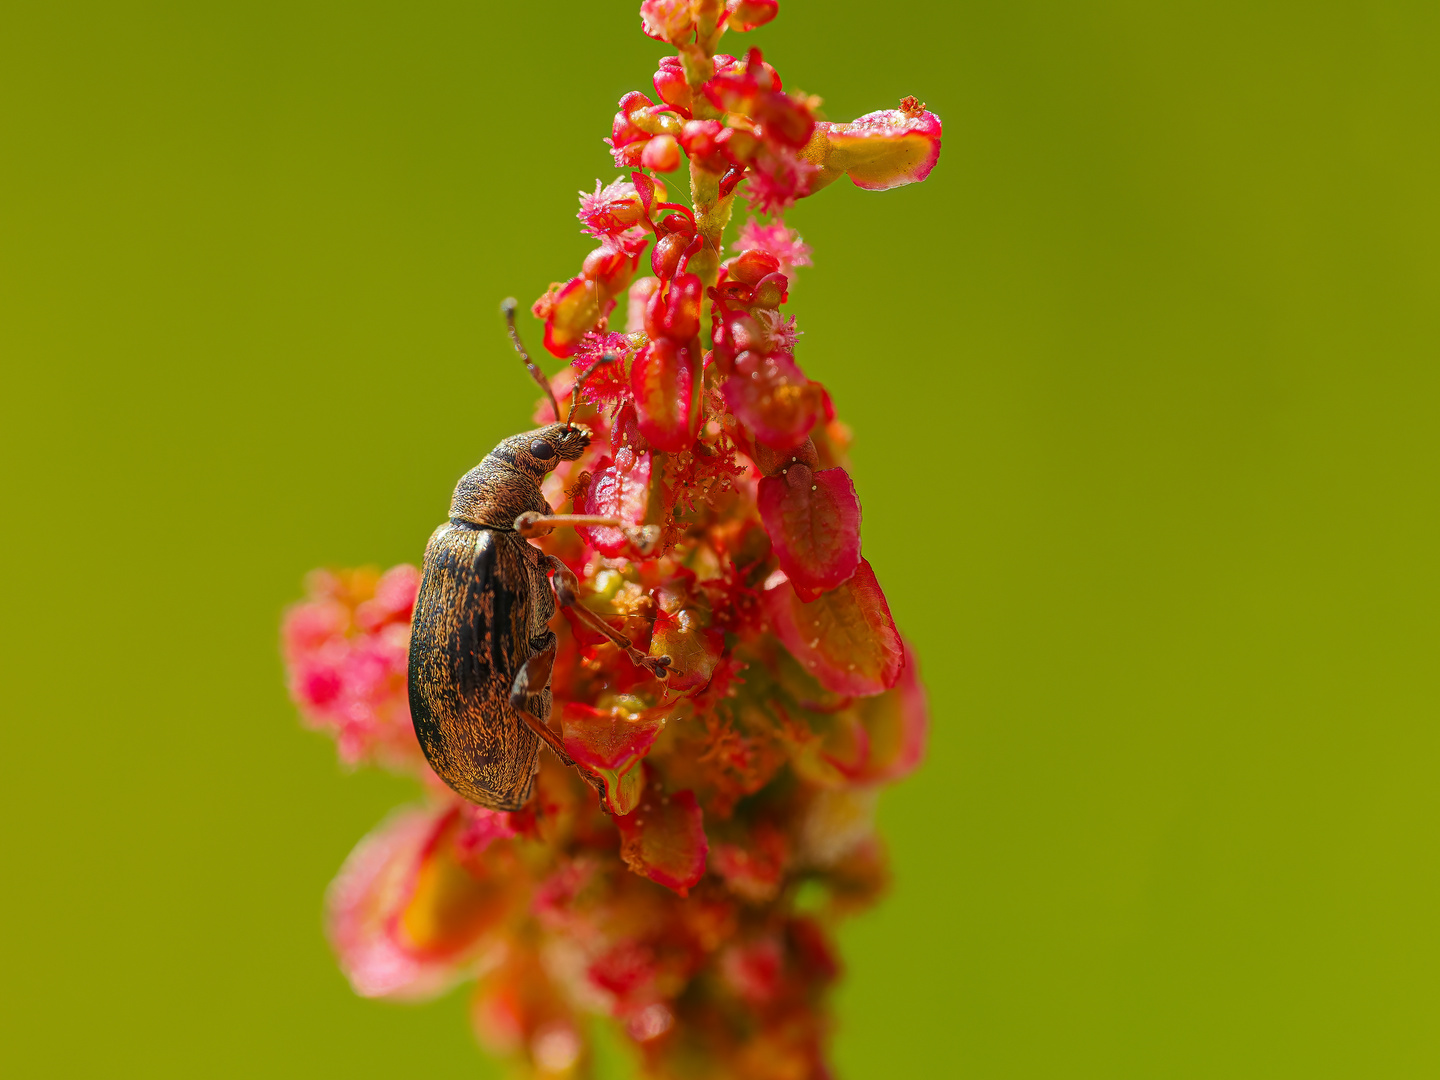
<point>481,647</point>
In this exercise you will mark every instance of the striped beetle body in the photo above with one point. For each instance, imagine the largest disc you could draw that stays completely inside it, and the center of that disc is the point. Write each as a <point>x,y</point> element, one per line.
<point>483,612</point>
<point>481,647</point>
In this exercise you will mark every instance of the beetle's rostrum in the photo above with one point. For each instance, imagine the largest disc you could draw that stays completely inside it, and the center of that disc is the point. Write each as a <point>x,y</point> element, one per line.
<point>481,647</point>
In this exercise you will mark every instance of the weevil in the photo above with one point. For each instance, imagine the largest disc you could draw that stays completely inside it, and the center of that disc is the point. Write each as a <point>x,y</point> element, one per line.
<point>481,647</point>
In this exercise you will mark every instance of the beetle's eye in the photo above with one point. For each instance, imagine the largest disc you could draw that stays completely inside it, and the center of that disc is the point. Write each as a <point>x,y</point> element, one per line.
<point>541,450</point>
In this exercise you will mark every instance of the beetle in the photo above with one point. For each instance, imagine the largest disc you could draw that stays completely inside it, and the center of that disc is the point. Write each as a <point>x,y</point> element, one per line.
<point>481,647</point>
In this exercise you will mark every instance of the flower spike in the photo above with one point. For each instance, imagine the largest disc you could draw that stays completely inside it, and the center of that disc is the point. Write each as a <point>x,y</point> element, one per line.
<point>721,691</point>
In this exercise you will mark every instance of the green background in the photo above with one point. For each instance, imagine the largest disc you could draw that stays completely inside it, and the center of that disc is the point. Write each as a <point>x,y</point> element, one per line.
<point>1144,385</point>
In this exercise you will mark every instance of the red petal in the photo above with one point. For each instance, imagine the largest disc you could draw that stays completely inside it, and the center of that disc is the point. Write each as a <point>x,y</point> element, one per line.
<point>665,378</point>
<point>813,519</point>
<point>574,311</point>
<point>693,649</point>
<point>834,750</point>
<point>772,398</point>
<point>617,492</point>
<point>651,191</point>
<point>612,747</point>
<point>750,14</point>
<point>885,149</point>
<point>846,638</point>
<point>897,722</point>
<point>664,839</point>
<point>755,869</point>
<point>671,87</point>
<point>675,312</point>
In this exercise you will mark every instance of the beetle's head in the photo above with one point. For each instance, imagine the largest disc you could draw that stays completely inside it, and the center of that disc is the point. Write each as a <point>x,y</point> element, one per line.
<point>546,447</point>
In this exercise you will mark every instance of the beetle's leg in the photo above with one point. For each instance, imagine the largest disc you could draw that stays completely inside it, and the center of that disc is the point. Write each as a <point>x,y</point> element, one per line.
<point>567,595</point>
<point>644,537</point>
<point>534,675</point>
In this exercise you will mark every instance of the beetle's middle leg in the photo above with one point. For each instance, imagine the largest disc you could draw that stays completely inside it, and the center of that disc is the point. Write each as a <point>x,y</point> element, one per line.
<point>533,677</point>
<point>567,586</point>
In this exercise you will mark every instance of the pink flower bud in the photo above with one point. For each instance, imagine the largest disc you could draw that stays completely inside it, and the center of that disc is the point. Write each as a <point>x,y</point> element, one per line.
<point>675,312</point>
<point>621,493</point>
<point>751,265</point>
<point>571,310</point>
<point>784,244</point>
<point>639,297</point>
<point>701,141</point>
<point>667,20</point>
<point>672,87</point>
<point>666,256</point>
<point>771,291</point>
<point>750,14</point>
<point>661,154</point>
<point>611,210</point>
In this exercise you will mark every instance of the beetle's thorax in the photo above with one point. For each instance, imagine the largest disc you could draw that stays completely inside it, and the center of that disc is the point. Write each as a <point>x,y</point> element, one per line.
<point>507,483</point>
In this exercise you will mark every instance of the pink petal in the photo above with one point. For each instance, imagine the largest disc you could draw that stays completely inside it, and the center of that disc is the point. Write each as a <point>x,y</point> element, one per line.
<point>612,747</point>
<point>664,839</point>
<point>813,519</point>
<point>665,379</point>
<point>771,396</point>
<point>574,310</point>
<point>366,899</point>
<point>621,493</point>
<point>694,649</point>
<point>897,722</point>
<point>846,638</point>
<point>885,149</point>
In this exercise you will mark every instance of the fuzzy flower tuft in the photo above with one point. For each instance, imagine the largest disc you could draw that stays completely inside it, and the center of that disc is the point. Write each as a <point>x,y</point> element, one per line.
<point>773,237</point>
<point>345,650</point>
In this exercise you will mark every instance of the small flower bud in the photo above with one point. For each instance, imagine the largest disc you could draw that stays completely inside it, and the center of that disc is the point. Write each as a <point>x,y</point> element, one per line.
<point>639,296</point>
<point>751,265</point>
<point>675,312</point>
<point>771,291</point>
<point>574,310</point>
<point>661,154</point>
<point>666,255</point>
<point>667,20</point>
<point>750,14</point>
<point>609,269</point>
<point>701,140</point>
<point>671,86</point>
<point>611,210</point>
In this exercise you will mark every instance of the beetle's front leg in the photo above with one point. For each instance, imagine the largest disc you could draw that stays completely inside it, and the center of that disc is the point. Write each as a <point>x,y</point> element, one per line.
<point>643,537</point>
<point>567,595</point>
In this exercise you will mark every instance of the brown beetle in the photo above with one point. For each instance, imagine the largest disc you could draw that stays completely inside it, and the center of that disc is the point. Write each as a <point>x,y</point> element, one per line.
<point>481,647</point>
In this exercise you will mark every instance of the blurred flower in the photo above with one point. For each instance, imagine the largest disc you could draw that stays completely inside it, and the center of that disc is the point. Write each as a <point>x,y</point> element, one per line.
<point>695,903</point>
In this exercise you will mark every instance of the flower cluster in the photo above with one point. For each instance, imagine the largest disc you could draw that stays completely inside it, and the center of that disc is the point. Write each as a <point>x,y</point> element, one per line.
<point>693,900</point>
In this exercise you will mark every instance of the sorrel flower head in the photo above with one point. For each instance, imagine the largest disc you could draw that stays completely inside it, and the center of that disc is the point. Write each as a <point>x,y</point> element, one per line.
<point>693,900</point>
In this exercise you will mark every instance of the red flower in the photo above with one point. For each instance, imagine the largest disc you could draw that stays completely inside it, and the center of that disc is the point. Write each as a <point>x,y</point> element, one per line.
<point>655,882</point>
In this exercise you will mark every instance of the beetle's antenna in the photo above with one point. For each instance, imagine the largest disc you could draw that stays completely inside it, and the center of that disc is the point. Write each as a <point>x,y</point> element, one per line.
<point>507,308</point>
<point>605,358</point>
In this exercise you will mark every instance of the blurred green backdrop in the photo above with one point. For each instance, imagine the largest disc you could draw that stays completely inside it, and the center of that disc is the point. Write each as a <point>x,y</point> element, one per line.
<point>1144,382</point>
